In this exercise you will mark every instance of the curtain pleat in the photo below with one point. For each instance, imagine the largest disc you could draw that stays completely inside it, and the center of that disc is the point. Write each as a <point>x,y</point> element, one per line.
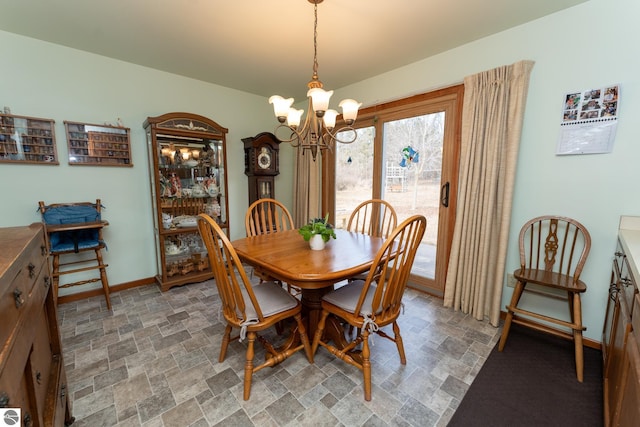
<point>306,188</point>
<point>493,112</point>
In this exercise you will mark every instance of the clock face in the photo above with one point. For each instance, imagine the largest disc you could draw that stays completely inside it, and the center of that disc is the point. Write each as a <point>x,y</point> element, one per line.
<point>264,158</point>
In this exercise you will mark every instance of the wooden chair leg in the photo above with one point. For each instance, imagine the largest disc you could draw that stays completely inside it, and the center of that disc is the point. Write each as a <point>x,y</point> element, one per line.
<point>366,365</point>
<point>103,279</point>
<point>226,338</point>
<point>248,364</point>
<point>570,298</point>
<point>515,298</point>
<point>55,272</point>
<point>399,343</point>
<point>577,336</point>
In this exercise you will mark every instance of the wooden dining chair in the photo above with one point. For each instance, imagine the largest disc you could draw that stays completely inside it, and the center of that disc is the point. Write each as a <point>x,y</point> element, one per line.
<point>74,236</point>
<point>251,309</point>
<point>371,304</point>
<point>553,252</point>
<point>268,216</point>
<point>375,217</point>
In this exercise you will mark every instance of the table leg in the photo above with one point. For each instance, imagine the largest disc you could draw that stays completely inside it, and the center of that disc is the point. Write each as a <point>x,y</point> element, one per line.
<point>312,309</point>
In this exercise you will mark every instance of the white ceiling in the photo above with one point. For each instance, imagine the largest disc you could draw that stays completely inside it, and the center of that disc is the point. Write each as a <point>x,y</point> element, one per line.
<point>266,46</point>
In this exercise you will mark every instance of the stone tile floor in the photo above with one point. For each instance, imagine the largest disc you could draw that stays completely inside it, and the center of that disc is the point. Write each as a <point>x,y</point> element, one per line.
<point>153,361</point>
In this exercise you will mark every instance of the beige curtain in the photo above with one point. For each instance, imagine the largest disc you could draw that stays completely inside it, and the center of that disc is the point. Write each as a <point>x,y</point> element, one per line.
<point>493,111</point>
<point>306,188</point>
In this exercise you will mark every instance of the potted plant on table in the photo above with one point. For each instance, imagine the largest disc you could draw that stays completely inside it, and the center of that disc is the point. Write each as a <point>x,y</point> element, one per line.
<point>317,232</point>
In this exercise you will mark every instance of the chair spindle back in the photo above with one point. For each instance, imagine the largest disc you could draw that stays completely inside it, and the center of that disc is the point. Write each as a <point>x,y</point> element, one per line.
<point>554,244</point>
<point>394,261</point>
<point>267,216</point>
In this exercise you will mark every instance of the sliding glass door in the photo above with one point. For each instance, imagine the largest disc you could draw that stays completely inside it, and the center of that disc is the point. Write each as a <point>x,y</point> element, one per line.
<point>407,154</point>
<point>412,171</point>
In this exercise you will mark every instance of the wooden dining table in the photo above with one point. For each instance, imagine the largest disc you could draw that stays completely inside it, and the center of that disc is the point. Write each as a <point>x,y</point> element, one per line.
<point>287,257</point>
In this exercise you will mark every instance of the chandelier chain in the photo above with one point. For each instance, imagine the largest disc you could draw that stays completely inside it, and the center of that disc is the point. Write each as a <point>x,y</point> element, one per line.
<point>315,39</point>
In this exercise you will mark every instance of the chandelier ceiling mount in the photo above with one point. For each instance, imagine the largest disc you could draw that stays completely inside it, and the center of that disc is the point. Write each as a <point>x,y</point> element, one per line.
<point>317,133</point>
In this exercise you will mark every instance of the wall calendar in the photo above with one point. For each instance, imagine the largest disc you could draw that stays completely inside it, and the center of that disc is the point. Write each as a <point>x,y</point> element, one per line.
<point>589,121</point>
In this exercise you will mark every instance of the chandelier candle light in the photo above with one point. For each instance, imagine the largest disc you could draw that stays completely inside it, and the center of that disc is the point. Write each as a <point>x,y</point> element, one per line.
<point>317,131</point>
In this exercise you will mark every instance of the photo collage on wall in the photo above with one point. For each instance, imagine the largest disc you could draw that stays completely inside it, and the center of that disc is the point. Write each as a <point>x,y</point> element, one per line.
<point>589,121</point>
<point>591,104</point>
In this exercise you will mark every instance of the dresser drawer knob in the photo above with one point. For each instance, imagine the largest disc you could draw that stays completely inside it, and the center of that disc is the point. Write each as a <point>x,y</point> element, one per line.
<point>17,296</point>
<point>4,400</point>
<point>32,270</point>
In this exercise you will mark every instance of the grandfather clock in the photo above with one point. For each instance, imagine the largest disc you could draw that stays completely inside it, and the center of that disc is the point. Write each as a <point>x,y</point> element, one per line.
<point>261,165</point>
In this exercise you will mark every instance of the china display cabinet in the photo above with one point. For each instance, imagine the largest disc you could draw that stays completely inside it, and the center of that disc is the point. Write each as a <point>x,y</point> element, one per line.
<point>187,162</point>
<point>27,140</point>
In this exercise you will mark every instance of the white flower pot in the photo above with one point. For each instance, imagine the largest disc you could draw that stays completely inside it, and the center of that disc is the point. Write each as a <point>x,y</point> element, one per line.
<point>316,243</point>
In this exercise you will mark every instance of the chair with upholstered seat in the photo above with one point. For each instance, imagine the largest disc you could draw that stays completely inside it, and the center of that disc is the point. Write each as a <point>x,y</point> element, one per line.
<point>74,230</point>
<point>553,252</point>
<point>251,309</point>
<point>374,217</point>
<point>268,216</point>
<point>371,304</point>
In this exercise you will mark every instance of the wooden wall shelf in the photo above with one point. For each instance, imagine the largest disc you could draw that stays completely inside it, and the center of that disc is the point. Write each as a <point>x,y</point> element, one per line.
<point>26,139</point>
<point>98,145</point>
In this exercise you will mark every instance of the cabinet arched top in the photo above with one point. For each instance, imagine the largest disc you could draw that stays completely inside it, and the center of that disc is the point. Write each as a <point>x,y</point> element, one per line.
<point>186,123</point>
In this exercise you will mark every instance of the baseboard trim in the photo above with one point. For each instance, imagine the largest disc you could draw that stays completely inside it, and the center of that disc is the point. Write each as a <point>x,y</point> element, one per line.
<point>98,292</point>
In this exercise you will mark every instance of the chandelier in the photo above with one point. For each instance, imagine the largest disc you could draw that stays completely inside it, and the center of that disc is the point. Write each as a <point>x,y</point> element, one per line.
<point>317,133</point>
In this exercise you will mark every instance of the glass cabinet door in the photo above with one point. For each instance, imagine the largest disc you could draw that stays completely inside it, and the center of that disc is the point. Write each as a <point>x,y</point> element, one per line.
<point>187,157</point>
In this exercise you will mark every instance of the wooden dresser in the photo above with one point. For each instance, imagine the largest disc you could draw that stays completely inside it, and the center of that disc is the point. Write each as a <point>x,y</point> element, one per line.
<point>621,334</point>
<point>32,375</point>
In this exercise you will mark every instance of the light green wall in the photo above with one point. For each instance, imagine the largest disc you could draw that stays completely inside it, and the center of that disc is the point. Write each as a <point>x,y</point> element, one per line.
<point>579,48</point>
<point>589,45</point>
<point>50,81</point>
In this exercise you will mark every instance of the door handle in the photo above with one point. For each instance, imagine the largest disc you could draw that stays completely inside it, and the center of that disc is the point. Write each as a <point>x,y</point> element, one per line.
<point>444,195</point>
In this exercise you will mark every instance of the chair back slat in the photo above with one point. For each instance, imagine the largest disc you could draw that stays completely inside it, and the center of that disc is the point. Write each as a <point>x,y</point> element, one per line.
<point>267,216</point>
<point>374,217</point>
<point>230,277</point>
<point>393,265</point>
<point>190,206</point>
<point>554,244</point>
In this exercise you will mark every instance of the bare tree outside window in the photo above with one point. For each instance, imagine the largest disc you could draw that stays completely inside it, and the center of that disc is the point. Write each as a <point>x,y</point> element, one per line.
<point>425,135</point>
<point>354,174</point>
